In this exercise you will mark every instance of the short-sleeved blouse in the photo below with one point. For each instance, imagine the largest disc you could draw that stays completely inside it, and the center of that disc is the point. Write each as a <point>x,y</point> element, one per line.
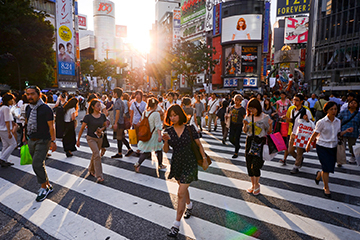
<point>261,126</point>
<point>283,107</point>
<point>183,161</point>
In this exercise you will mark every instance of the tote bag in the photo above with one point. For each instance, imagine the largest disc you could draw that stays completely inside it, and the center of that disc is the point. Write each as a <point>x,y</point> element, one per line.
<point>25,157</point>
<point>278,141</point>
<point>356,149</point>
<point>132,136</point>
<point>340,153</point>
<point>284,129</point>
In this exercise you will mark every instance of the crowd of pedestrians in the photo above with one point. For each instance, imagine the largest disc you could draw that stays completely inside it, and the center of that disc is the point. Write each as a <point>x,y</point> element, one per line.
<point>175,121</point>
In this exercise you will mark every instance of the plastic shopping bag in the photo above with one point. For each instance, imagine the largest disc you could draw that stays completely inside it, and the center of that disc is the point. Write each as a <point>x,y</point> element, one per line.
<point>266,155</point>
<point>356,149</point>
<point>132,136</point>
<point>278,141</point>
<point>25,157</point>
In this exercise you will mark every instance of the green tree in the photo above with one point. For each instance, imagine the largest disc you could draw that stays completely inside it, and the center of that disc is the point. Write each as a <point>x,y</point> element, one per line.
<point>190,59</point>
<point>27,37</point>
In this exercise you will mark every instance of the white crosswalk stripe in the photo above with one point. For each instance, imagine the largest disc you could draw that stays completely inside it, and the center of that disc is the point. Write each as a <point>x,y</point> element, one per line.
<point>289,207</point>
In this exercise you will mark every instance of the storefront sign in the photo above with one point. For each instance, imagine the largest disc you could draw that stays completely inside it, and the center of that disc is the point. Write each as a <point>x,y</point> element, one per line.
<point>209,17</point>
<point>250,82</point>
<point>230,82</point>
<point>266,27</point>
<point>292,7</point>
<point>217,19</point>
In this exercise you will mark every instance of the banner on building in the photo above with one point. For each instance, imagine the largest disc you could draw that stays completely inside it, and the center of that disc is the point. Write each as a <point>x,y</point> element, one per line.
<point>176,25</point>
<point>296,30</point>
<point>241,28</point>
<point>217,19</point>
<point>209,17</point>
<point>193,29</point>
<point>65,37</point>
<point>266,27</point>
<point>121,31</point>
<point>232,60</point>
<point>82,21</point>
<point>191,9</point>
<point>230,82</point>
<point>250,82</point>
<point>292,7</point>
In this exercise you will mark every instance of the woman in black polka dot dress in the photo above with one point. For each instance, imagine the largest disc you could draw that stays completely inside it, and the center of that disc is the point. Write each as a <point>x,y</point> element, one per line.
<point>183,162</point>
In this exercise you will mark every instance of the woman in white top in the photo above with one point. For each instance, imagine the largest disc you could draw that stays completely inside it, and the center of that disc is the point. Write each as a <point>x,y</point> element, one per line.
<point>155,143</point>
<point>7,133</point>
<point>69,139</point>
<point>326,133</point>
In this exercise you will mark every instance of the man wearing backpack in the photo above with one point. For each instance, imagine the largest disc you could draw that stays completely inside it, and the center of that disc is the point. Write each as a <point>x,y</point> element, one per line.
<point>119,126</point>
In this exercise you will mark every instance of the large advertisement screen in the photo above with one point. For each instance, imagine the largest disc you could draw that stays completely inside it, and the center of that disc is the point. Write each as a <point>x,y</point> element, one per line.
<point>296,30</point>
<point>292,7</point>
<point>249,56</point>
<point>241,28</point>
<point>191,9</point>
<point>65,37</point>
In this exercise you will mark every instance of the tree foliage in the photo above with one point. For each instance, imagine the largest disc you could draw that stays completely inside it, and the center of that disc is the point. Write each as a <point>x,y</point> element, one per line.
<point>158,71</point>
<point>190,59</point>
<point>26,35</point>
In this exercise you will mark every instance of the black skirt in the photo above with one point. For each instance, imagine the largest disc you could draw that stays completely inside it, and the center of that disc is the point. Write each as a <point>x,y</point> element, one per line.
<point>69,137</point>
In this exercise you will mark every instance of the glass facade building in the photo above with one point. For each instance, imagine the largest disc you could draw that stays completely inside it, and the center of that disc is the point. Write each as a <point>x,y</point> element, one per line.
<point>336,60</point>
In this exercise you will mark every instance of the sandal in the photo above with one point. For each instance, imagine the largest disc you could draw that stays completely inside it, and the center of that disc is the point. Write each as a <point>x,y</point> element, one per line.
<point>137,167</point>
<point>162,167</point>
<point>250,190</point>
<point>283,162</point>
<point>99,180</point>
<point>256,191</point>
<point>102,153</point>
<point>316,175</point>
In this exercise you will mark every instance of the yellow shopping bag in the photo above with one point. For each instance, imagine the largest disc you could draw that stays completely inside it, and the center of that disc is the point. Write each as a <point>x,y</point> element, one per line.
<point>132,136</point>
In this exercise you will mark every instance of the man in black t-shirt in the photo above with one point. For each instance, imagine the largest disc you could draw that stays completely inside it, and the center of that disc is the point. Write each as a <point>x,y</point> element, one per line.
<point>41,136</point>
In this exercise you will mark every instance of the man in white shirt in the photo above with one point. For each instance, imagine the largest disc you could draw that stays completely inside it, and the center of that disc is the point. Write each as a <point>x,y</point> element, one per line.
<point>137,108</point>
<point>298,101</point>
<point>176,98</point>
<point>213,106</point>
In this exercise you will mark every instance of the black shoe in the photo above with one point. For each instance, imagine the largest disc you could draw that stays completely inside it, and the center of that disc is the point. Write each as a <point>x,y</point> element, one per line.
<point>68,154</point>
<point>174,231</point>
<point>129,152</point>
<point>5,164</point>
<point>188,213</point>
<point>235,155</point>
<point>339,165</point>
<point>294,171</point>
<point>328,195</point>
<point>117,156</point>
<point>215,128</point>
<point>316,175</point>
<point>223,142</point>
<point>42,194</point>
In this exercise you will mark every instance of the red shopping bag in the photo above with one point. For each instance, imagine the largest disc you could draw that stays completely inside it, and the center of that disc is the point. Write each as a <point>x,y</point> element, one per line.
<point>284,129</point>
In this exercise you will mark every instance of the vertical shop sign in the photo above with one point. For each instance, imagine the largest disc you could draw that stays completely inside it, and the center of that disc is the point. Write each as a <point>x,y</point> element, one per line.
<point>266,27</point>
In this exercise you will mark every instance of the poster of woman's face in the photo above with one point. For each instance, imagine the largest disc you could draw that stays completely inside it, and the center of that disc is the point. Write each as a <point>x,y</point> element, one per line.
<point>241,28</point>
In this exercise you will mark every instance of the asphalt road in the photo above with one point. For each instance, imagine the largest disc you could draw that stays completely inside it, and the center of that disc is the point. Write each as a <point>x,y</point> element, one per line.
<point>142,206</point>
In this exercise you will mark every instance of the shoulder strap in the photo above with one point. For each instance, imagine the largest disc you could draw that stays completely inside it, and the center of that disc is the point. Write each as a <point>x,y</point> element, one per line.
<point>137,108</point>
<point>191,136</point>
<point>212,105</point>
<point>253,125</point>
<point>351,118</point>
<point>320,104</point>
<point>294,118</point>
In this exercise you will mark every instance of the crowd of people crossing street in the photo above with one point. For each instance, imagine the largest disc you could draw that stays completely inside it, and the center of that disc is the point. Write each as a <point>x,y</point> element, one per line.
<point>262,128</point>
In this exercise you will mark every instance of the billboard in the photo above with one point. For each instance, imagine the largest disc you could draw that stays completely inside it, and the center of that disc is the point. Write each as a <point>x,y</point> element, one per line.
<point>292,7</point>
<point>82,21</point>
<point>232,60</point>
<point>241,28</point>
<point>296,30</point>
<point>249,57</point>
<point>176,25</point>
<point>121,31</point>
<point>65,37</point>
<point>217,19</point>
<point>191,9</point>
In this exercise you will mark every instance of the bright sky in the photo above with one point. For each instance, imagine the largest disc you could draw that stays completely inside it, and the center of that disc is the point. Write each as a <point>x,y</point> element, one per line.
<point>138,16</point>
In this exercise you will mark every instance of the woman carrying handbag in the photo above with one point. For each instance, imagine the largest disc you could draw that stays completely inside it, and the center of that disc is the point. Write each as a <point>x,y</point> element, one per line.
<point>326,133</point>
<point>184,167</point>
<point>256,126</point>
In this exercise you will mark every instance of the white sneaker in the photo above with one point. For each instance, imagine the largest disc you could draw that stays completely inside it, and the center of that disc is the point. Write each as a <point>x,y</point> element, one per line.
<point>352,160</point>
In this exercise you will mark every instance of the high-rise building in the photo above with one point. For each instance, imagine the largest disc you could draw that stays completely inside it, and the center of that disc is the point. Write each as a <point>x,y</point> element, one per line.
<point>336,36</point>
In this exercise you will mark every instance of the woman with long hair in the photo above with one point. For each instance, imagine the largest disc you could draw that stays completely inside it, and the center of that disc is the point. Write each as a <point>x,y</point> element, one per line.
<point>69,139</point>
<point>7,133</point>
<point>184,168</point>
<point>269,110</point>
<point>256,126</point>
<point>96,124</point>
<point>155,143</point>
<point>326,134</point>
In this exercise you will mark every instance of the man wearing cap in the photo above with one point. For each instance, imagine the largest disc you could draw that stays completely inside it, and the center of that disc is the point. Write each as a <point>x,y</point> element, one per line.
<point>350,97</point>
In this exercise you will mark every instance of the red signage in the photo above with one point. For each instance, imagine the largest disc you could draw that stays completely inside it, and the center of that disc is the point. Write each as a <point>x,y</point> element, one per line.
<point>82,21</point>
<point>105,7</point>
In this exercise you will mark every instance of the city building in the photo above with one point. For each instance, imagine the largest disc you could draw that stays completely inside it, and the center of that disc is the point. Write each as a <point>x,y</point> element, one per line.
<point>335,60</point>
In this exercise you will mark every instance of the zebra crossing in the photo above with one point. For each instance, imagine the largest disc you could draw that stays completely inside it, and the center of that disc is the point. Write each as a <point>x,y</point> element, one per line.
<point>143,206</point>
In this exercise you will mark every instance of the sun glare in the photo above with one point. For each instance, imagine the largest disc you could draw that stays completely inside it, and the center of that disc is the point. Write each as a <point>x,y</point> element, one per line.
<point>141,43</point>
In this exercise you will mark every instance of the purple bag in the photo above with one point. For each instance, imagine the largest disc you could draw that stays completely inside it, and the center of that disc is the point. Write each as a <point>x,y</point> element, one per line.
<point>278,141</point>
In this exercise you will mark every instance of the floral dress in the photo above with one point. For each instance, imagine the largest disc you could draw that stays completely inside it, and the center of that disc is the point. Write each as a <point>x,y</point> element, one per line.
<point>183,162</point>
